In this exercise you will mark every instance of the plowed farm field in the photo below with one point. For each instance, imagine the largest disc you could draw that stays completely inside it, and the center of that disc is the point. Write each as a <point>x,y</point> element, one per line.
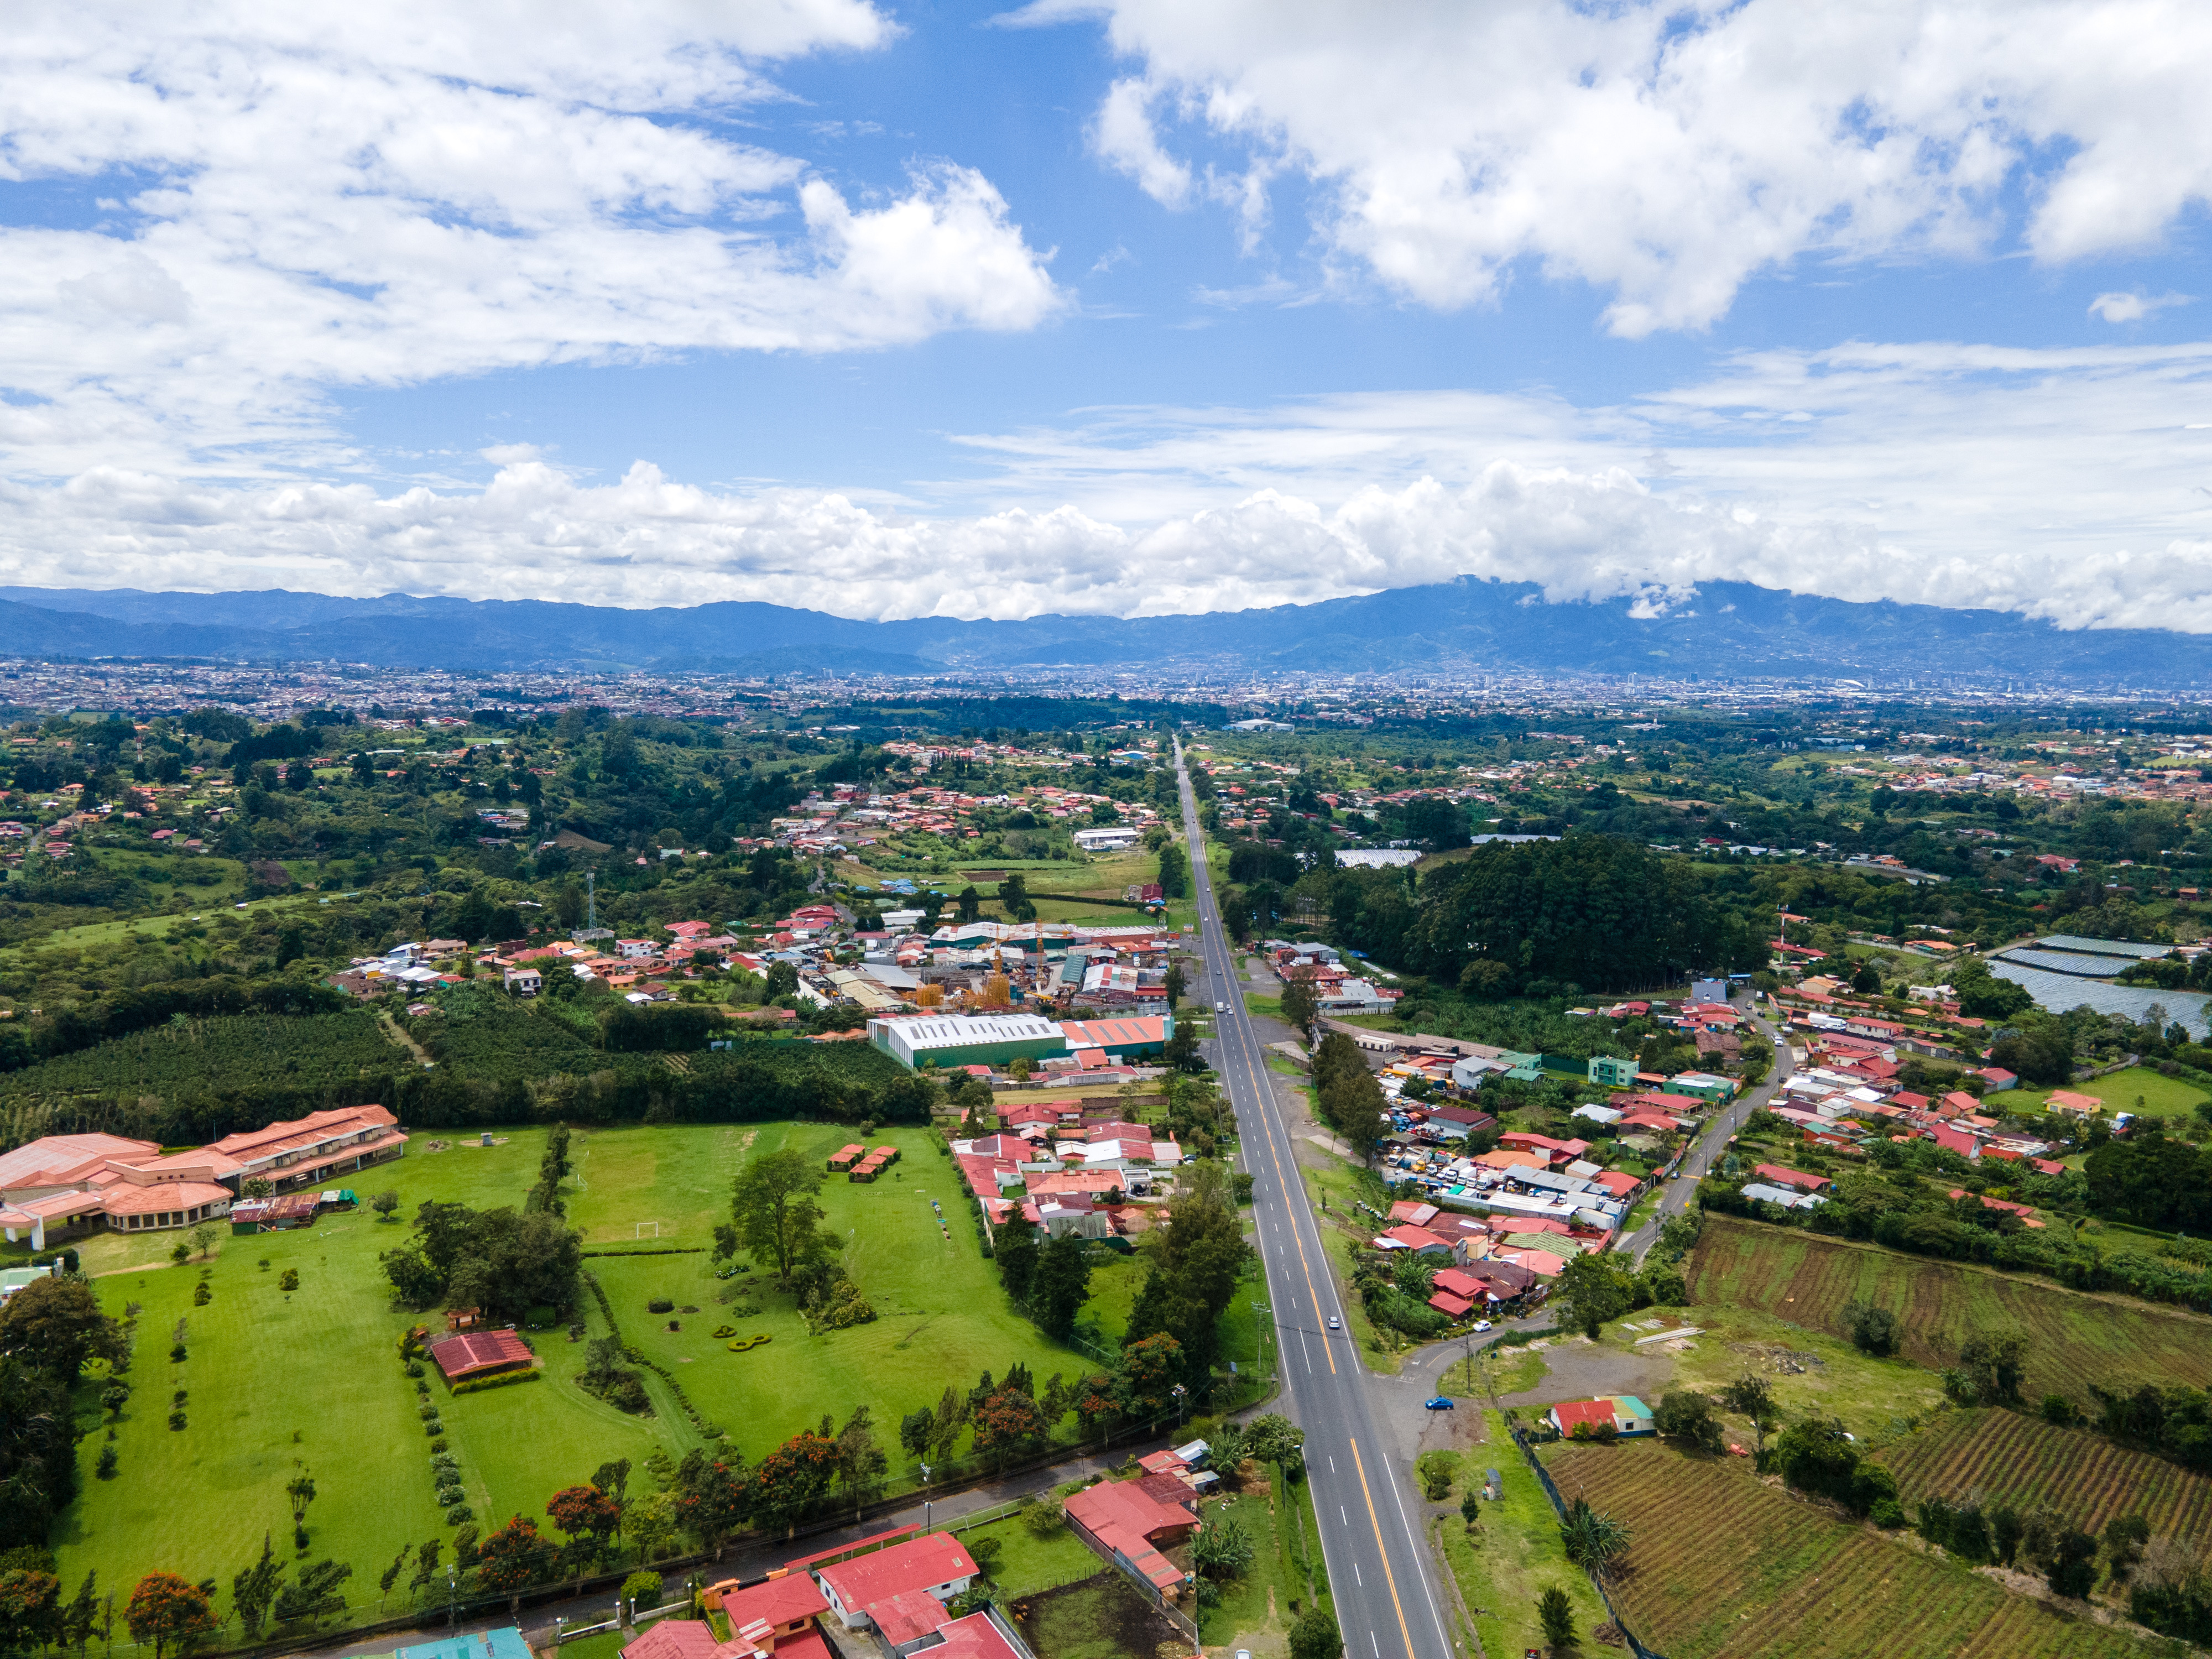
<point>1999,1455</point>
<point>2073,1339</point>
<point>1723,1566</point>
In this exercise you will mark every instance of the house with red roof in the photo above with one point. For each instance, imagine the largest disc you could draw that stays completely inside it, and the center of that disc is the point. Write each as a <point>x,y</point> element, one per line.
<point>1131,1523</point>
<point>1421,1241</point>
<point>1595,1416</point>
<point>1796,1180</point>
<point>777,1615</point>
<point>480,1353</point>
<point>900,1592</point>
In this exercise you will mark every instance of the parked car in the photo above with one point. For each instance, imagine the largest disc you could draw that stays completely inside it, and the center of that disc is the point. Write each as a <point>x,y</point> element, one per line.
<point>1440,1403</point>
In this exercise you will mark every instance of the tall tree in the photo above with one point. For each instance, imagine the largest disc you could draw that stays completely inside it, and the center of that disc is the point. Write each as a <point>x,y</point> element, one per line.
<point>513,1557</point>
<point>1060,1285</point>
<point>55,1325</point>
<point>1301,1007</point>
<point>314,1595</point>
<point>30,1610</point>
<point>589,1518</point>
<point>772,1205</point>
<point>791,1479</point>
<point>164,1611</point>
<point>862,1463</point>
<point>1015,1246</point>
<point>37,1451</point>
<point>711,1498</point>
<point>255,1586</point>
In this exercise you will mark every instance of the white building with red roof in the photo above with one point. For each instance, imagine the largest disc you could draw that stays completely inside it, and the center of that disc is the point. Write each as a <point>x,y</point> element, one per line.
<point>900,1592</point>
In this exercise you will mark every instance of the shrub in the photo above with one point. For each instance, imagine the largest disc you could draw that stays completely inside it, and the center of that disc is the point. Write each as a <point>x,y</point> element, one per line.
<point>433,1427</point>
<point>2058,1408</point>
<point>457,1514</point>
<point>439,1444</point>
<point>176,1420</point>
<point>447,1496</point>
<point>289,1279</point>
<point>414,1367</point>
<point>105,1468</point>
<point>660,1304</point>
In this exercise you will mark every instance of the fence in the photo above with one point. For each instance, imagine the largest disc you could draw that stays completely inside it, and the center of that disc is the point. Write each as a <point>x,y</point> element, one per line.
<point>1558,1505</point>
<point>1144,1587</point>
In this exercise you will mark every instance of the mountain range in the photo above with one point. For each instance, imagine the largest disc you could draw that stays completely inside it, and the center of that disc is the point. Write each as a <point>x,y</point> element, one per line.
<point>1729,629</point>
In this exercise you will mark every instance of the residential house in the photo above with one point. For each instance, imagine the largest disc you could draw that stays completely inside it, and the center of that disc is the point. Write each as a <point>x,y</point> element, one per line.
<point>1131,1523</point>
<point>899,1592</point>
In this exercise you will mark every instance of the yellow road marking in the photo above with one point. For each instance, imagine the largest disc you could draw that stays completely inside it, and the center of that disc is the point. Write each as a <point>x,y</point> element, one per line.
<point>1383,1549</point>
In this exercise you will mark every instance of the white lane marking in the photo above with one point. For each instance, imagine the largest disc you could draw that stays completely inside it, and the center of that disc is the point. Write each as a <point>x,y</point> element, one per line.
<point>1375,1645</point>
<point>1332,1466</point>
<point>1357,1576</point>
<point>1347,1519</point>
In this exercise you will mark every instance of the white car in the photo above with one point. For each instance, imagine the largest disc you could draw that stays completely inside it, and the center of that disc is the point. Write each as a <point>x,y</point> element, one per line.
<point>1333,1325</point>
<point>1221,1007</point>
<point>1481,1326</point>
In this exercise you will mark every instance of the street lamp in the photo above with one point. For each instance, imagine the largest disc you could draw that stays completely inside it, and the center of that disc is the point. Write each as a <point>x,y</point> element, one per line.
<point>1179,1392</point>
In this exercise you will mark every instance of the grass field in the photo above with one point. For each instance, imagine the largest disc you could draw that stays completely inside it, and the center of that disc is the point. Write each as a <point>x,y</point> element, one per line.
<point>1513,1554</point>
<point>2073,1339</point>
<point>315,1377</point>
<point>1722,1565</point>
<point>2161,1097</point>
<point>1101,1617</point>
<point>2020,1460</point>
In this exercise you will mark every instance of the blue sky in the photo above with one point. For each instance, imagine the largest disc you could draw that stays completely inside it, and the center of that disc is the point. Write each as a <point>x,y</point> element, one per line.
<point>1137,307</point>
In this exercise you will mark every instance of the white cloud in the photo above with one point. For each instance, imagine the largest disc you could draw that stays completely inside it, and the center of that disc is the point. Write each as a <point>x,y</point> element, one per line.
<point>2133,307</point>
<point>1666,152</point>
<point>311,195</point>
<point>2063,485</point>
<point>1124,137</point>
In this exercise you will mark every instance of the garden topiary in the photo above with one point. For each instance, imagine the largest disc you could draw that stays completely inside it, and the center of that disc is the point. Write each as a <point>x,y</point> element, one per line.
<point>660,1304</point>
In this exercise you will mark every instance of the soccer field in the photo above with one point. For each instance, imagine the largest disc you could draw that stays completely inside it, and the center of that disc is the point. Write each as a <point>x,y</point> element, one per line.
<point>275,1382</point>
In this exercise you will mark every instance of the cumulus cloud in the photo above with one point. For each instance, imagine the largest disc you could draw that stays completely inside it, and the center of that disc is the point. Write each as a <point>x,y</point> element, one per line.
<point>280,199</point>
<point>2063,485</point>
<point>1665,152</point>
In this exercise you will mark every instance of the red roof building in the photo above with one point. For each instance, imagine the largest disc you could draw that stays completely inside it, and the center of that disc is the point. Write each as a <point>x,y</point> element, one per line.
<point>901,1591</point>
<point>1129,1521</point>
<point>1796,1180</point>
<point>1570,1414</point>
<point>479,1354</point>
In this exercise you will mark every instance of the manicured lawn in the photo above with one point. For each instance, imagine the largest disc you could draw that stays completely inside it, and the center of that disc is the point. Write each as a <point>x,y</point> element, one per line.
<point>1512,1555</point>
<point>315,1379</point>
<point>275,1383</point>
<point>941,1318</point>
<point>1028,1564</point>
<point>2159,1096</point>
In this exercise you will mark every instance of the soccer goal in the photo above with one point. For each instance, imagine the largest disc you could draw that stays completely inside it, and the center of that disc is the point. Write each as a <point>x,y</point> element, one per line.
<point>641,1233</point>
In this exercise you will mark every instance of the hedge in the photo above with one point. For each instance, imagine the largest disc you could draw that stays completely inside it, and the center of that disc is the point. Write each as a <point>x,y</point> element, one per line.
<point>479,1384</point>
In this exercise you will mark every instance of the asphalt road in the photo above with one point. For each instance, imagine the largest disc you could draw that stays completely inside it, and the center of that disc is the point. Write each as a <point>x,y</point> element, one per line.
<point>1379,1568</point>
<point>1714,1141</point>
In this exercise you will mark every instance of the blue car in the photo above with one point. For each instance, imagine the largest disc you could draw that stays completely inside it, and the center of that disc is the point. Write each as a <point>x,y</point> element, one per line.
<point>1441,1403</point>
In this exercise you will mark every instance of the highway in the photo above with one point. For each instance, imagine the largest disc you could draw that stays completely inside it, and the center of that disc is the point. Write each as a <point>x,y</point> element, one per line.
<point>1379,1567</point>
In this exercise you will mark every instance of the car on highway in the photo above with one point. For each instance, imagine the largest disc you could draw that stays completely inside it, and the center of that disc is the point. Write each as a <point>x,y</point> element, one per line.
<point>1481,1326</point>
<point>1221,1007</point>
<point>1441,1402</point>
<point>1333,1325</point>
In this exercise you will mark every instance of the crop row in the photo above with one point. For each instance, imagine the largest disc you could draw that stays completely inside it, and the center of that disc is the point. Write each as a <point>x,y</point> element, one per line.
<point>2004,1456</point>
<point>224,1054</point>
<point>2073,1339</point>
<point>1722,1567</point>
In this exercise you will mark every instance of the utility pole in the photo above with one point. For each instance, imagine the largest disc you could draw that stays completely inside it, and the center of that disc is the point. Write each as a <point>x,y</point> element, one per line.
<point>590,899</point>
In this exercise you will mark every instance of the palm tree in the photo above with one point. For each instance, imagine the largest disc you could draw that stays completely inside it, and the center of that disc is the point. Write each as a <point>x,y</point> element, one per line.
<point>1593,1540</point>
